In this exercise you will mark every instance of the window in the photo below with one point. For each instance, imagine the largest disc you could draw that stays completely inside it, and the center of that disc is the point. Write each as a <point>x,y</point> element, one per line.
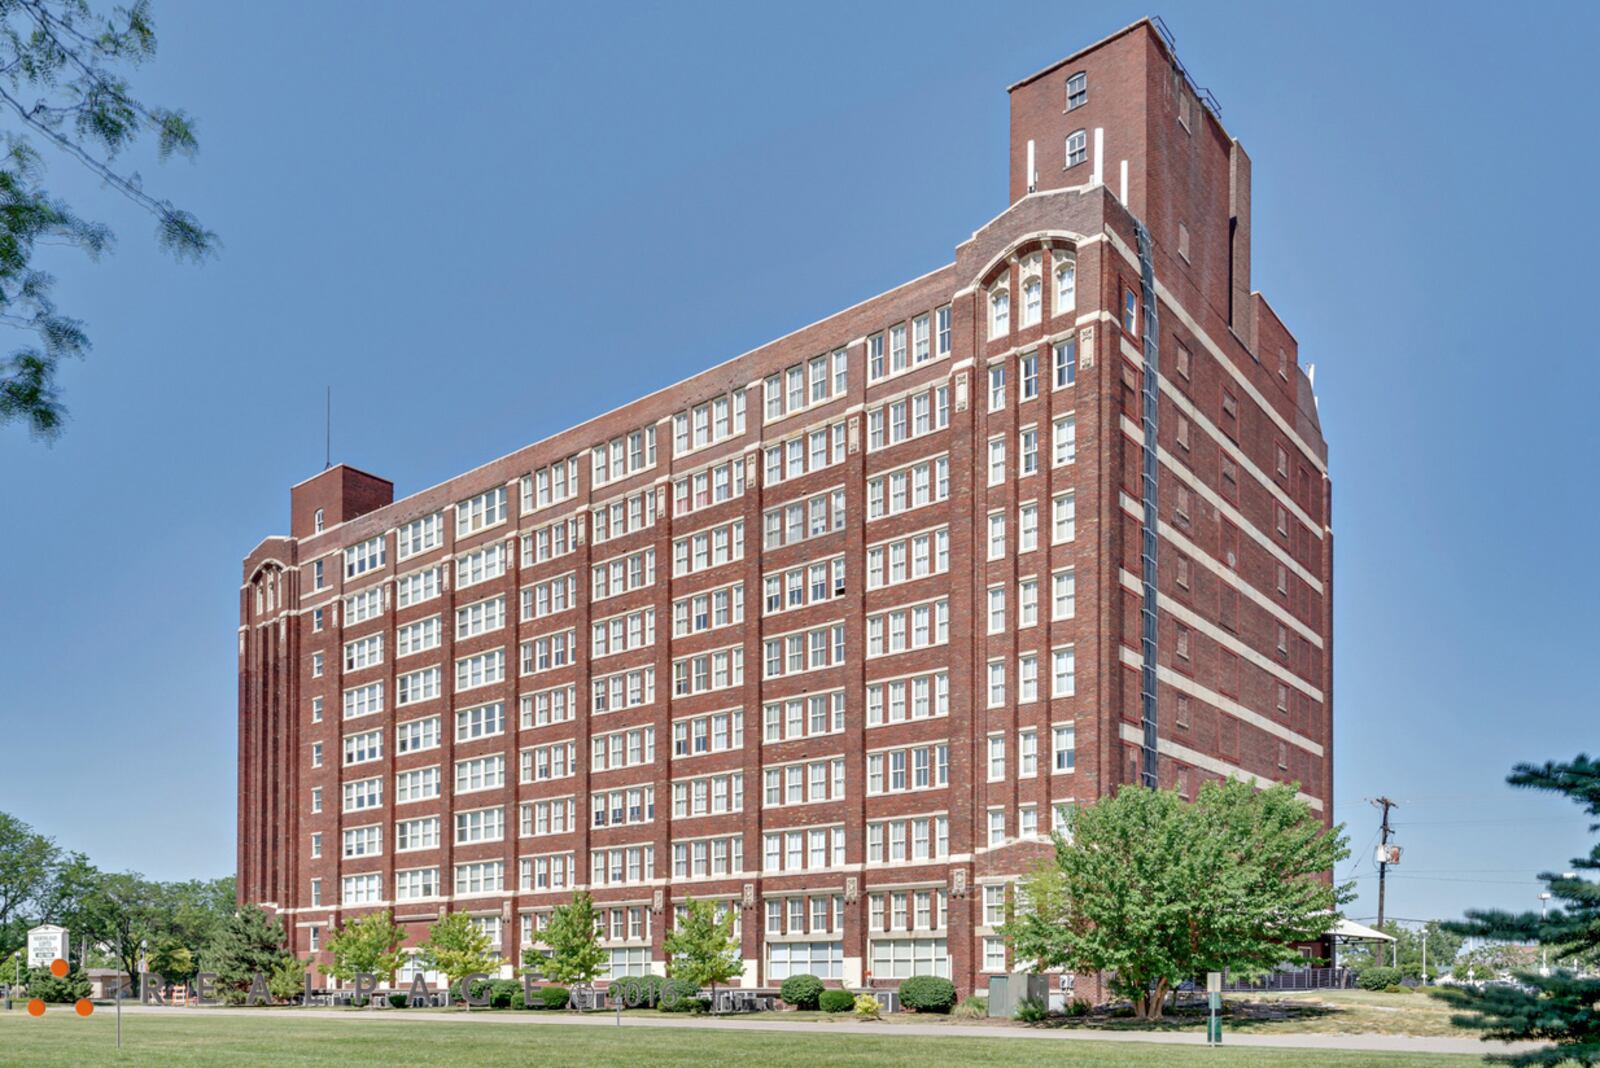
<point>999,311</point>
<point>997,387</point>
<point>1064,441</point>
<point>317,521</point>
<point>368,556</point>
<point>1077,148</point>
<point>1063,745</point>
<point>997,827</point>
<point>997,461</point>
<point>1066,287</point>
<point>419,535</point>
<point>1063,594</point>
<point>943,338</point>
<point>480,512</point>
<point>1032,291</point>
<point>1130,312</point>
<point>1063,672</point>
<point>899,700</point>
<point>1063,518</point>
<point>909,627</point>
<point>1077,90</point>
<point>997,535</point>
<point>411,835</point>
<point>997,757</point>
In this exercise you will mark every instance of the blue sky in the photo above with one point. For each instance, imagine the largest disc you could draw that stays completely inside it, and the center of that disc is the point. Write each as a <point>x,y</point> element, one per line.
<point>480,229</point>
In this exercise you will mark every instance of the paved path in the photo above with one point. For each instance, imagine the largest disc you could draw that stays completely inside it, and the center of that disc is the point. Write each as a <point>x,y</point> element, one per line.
<point>775,1022</point>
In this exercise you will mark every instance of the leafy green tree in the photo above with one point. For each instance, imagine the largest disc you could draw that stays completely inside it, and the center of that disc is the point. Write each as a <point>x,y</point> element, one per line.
<point>369,943</point>
<point>1558,1008</point>
<point>576,958</point>
<point>701,947</point>
<point>28,862</point>
<point>43,985</point>
<point>63,81</point>
<point>288,979</point>
<point>250,942</point>
<point>1152,890</point>
<point>122,911</point>
<point>458,947</point>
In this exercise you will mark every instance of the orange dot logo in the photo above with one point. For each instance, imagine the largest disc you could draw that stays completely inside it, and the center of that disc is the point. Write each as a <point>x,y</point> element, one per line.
<point>58,968</point>
<point>83,1007</point>
<point>36,1007</point>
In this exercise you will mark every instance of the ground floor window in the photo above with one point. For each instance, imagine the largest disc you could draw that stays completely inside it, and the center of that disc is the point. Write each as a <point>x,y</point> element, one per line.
<point>825,960</point>
<point>994,954</point>
<point>632,960</point>
<point>901,958</point>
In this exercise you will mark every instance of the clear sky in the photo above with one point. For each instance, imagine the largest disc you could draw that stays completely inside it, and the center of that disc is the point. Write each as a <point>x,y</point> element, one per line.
<point>481,228</point>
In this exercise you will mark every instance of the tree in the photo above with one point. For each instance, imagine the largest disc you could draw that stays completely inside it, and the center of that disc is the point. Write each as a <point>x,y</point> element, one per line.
<point>369,943</point>
<point>1494,960</point>
<point>62,78</point>
<point>701,948</point>
<point>122,912</point>
<point>28,862</point>
<point>249,943</point>
<point>1558,1008</point>
<point>458,947</point>
<point>576,958</point>
<point>288,979</point>
<point>1152,890</point>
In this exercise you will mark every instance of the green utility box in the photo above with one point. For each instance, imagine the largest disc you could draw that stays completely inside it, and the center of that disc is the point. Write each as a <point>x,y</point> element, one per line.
<point>1006,992</point>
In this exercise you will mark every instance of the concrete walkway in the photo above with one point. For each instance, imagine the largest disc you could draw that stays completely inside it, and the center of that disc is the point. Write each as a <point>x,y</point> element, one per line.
<point>775,1022</point>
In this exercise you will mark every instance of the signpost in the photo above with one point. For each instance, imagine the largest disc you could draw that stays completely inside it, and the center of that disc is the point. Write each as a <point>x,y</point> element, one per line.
<point>1214,1008</point>
<point>45,944</point>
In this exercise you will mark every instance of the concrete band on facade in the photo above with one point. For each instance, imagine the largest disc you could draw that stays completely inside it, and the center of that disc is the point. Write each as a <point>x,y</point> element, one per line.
<point>873,876</point>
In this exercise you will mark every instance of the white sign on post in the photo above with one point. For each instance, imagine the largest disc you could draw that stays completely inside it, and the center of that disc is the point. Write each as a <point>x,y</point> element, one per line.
<point>45,944</point>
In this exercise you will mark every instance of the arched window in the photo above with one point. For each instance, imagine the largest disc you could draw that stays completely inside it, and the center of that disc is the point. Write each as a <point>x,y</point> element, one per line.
<point>1077,90</point>
<point>999,311</point>
<point>1032,290</point>
<point>1066,286</point>
<point>1077,147</point>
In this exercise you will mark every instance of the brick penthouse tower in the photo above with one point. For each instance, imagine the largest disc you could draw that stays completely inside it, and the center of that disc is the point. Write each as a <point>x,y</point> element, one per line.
<point>836,631</point>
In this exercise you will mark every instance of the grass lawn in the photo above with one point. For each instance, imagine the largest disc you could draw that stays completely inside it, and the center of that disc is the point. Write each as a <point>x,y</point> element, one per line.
<point>276,1038</point>
<point>1322,1012</point>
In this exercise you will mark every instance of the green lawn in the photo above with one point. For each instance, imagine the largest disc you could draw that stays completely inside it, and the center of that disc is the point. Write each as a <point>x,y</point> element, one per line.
<point>277,1038</point>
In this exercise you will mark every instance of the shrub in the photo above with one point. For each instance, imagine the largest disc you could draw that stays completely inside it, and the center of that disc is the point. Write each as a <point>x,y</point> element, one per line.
<point>46,987</point>
<point>972,1007</point>
<point>399,999</point>
<point>1078,1007</point>
<point>480,988</point>
<point>636,991</point>
<point>928,993</point>
<point>501,992</point>
<point>867,1007</point>
<point>801,991</point>
<point>679,995</point>
<point>1032,1010</point>
<point>1377,978</point>
<point>552,997</point>
<point>1396,988</point>
<point>836,1001</point>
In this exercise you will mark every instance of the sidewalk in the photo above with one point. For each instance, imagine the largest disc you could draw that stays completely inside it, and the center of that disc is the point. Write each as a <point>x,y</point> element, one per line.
<point>1357,1043</point>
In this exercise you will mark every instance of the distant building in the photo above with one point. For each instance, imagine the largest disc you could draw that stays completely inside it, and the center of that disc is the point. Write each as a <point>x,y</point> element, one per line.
<point>836,631</point>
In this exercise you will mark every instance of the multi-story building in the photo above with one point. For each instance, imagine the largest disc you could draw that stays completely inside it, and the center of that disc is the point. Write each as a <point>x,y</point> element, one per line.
<point>838,630</point>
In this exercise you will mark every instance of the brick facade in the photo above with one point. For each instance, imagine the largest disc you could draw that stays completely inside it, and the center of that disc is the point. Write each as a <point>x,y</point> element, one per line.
<point>1243,645</point>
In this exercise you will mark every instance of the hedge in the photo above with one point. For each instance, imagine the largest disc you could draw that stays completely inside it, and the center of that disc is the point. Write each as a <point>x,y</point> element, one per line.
<point>636,991</point>
<point>551,997</point>
<point>1377,978</point>
<point>836,1001</point>
<point>801,991</point>
<point>928,993</point>
<point>680,995</point>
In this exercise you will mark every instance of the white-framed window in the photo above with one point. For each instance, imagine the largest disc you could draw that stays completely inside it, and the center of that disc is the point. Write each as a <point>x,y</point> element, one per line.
<point>910,697</point>
<point>1077,147</point>
<point>481,512</point>
<point>1065,355</point>
<point>363,748</point>
<point>908,627</point>
<point>415,686</point>
<point>363,700</point>
<point>414,834</point>
<point>1077,90</point>
<point>416,587</point>
<point>997,827</point>
<point>481,669</point>
<point>418,637</point>
<point>1063,517</point>
<point>942,334</point>
<point>996,605</point>
<point>999,310</point>
<point>361,889</point>
<point>419,535</point>
<point>365,557</point>
<point>997,387</point>
<point>420,784</point>
<point>483,721</point>
<point>622,689</point>
<point>997,683</point>
<point>1064,440</point>
<point>997,757</point>
<point>1063,672</point>
<point>810,716</point>
<point>1064,594</point>
<point>1066,297</point>
<point>1027,677</point>
<point>1027,527</point>
<point>363,794</point>
<point>415,884</point>
<point>903,489</point>
<point>1063,746</point>
<point>997,460</point>
<point>480,825</point>
<point>363,841</point>
<point>480,773</point>
<point>997,535</point>
<point>1032,291</point>
<point>708,795</point>
<point>480,877</point>
<point>363,652</point>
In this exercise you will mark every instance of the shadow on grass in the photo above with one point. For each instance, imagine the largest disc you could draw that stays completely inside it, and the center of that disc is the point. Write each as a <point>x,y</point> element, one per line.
<point>1236,1015</point>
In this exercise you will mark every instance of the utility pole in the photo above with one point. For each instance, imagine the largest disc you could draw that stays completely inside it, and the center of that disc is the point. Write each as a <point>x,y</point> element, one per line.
<point>1385,805</point>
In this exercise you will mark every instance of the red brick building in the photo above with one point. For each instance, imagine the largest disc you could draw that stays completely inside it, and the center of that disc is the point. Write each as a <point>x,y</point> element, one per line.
<point>834,631</point>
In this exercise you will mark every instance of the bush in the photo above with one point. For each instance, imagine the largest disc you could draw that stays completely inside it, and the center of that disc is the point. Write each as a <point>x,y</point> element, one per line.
<point>801,991</point>
<point>928,993</point>
<point>1396,988</point>
<point>1032,1010</point>
<point>399,999</point>
<point>551,997</point>
<point>480,988</point>
<point>678,995</point>
<point>867,1007</point>
<point>972,1007</point>
<point>836,1001</point>
<point>63,991</point>
<point>1377,978</point>
<point>636,991</point>
<point>502,991</point>
<point>1078,1007</point>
